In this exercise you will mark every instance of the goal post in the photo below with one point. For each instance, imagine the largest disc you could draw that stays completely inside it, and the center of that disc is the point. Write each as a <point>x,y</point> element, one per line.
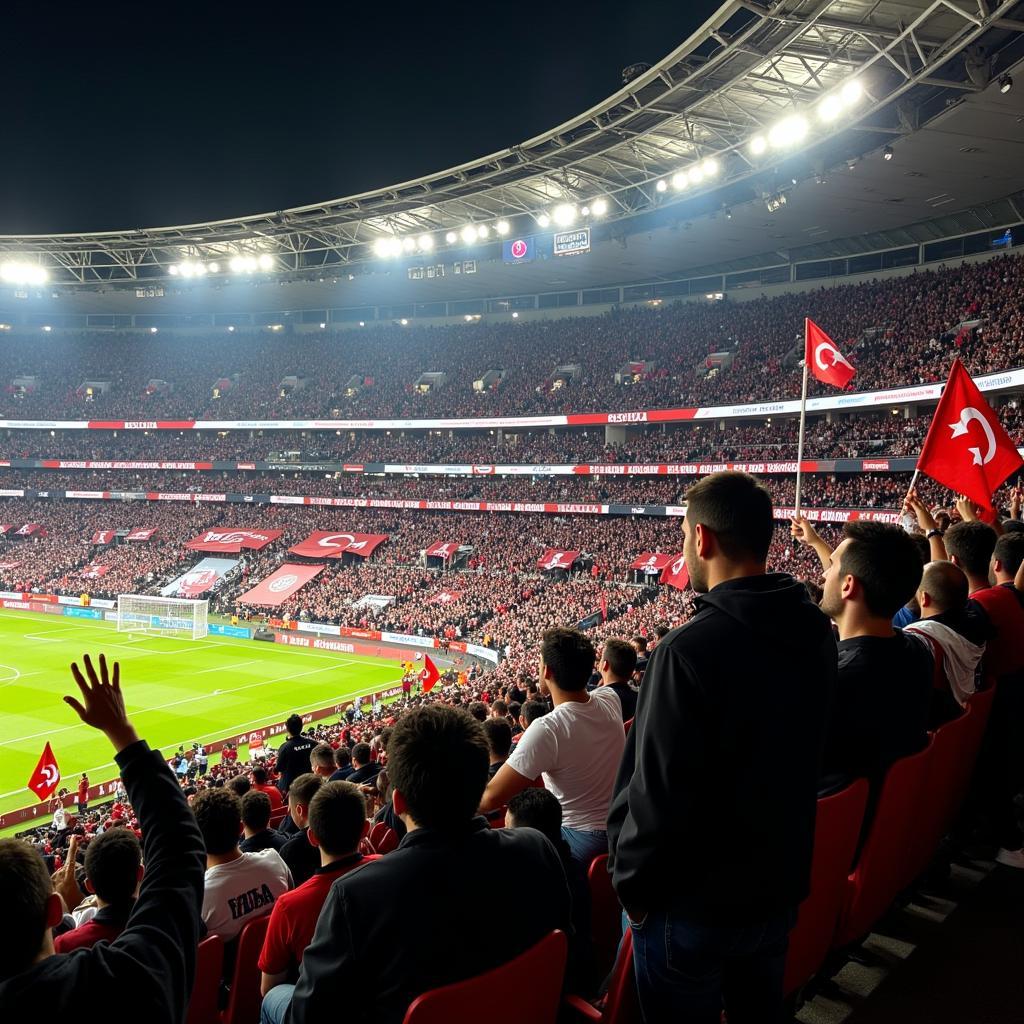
<point>165,616</point>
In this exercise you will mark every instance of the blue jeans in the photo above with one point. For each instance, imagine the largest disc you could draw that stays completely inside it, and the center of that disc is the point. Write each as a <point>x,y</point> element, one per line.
<point>585,846</point>
<point>686,972</point>
<point>276,1003</point>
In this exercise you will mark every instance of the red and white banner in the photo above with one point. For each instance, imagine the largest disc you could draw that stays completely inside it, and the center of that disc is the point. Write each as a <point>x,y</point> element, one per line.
<point>103,537</point>
<point>28,529</point>
<point>94,571</point>
<point>675,573</point>
<point>5,527</point>
<point>824,359</point>
<point>225,539</point>
<point>442,549</point>
<point>280,585</point>
<point>202,577</point>
<point>9,565</point>
<point>142,534</point>
<point>444,597</point>
<point>325,544</point>
<point>652,560</point>
<point>553,558</point>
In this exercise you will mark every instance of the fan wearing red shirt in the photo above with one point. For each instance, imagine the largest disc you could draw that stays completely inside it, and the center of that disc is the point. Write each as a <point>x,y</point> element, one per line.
<point>113,871</point>
<point>337,823</point>
<point>261,783</point>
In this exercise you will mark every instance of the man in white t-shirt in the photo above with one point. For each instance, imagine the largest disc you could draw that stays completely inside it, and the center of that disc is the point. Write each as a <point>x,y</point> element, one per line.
<point>240,887</point>
<point>576,747</point>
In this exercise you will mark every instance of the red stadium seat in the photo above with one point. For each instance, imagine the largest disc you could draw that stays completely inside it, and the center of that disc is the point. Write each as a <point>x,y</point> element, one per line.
<point>377,830</point>
<point>245,999</point>
<point>605,913</point>
<point>526,990</point>
<point>881,867</point>
<point>620,1005</point>
<point>202,1007</point>
<point>628,725</point>
<point>836,830</point>
<point>387,841</point>
<point>276,817</point>
<point>981,710</point>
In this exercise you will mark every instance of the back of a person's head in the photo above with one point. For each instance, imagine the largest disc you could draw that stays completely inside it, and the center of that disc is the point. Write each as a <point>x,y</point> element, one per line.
<point>337,817</point>
<point>569,656</point>
<point>499,737</point>
<point>621,657</point>
<point>218,813</point>
<point>499,708</point>
<point>294,725</point>
<point>25,891</point>
<point>259,776</point>
<point>256,810</point>
<point>971,544</point>
<point>478,709</point>
<point>534,709</point>
<point>361,753</point>
<point>343,757</point>
<point>660,632</point>
<point>1009,552</point>
<point>737,509</point>
<point>112,863</point>
<point>322,756</point>
<point>946,584</point>
<point>639,644</point>
<point>438,762</point>
<point>536,808</point>
<point>924,549</point>
<point>303,789</point>
<point>885,562</point>
<point>239,785</point>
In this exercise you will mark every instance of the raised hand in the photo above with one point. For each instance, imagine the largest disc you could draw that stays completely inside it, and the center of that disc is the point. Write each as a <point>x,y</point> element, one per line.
<point>65,884</point>
<point>102,704</point>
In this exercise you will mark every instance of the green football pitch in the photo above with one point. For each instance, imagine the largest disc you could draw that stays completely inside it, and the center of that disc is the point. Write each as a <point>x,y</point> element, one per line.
<point>176,691</point>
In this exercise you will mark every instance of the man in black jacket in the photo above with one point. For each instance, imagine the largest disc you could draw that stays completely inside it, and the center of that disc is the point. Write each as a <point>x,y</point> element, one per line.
<point>712,824</point>
<point>150,966</point>
<point>416,919</point>
<point>293,754</point>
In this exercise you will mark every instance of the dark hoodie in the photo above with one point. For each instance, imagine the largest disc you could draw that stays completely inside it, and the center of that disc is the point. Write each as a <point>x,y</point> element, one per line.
<point>713,812</point>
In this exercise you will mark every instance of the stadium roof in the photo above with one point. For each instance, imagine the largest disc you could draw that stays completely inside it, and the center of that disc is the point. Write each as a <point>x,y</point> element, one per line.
<point>923,69</point>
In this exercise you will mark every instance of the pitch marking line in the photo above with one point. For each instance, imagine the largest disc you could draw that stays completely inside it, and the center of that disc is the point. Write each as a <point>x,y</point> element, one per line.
<point>219,668</point>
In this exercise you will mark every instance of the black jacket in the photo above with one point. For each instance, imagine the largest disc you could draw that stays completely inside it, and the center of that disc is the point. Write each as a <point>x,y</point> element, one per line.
<point>151,965</point>
<point>415,919</point>
<point>268,839</point>
<point>301,856</point>
<point>293,760</point>
<point>365,774</point>
<point>713,812</point>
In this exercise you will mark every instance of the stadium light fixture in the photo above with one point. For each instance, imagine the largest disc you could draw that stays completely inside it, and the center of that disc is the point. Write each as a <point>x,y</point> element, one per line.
<point>564,214</point>
<point>47,328</point>
<point>451,238</point>
<point>18,272</point>
<point>830,108</point>
<point>788,132</point>
<point>173,270</point>
<point>1005,83</point>
<point>679,180</point>
<point>153,330</point>
<point>231,328</point>
<point>266,261</point>
<point>543,220</point>
<point>425,243</point>
<point>515,316</point>
<point>662,185</point>
<point>482,231</point>
<point>404,322</point>
<point>758,144</point>
<point>710,167</point>
<point>887,153</point>
<point>599,207</point>
<point>408,245</point>
<point>362,323</point>
<point>851,92</point>
<point>214,267</point>
<point>468,234</point>
<point>585,211</point>
<point>502,227</point>
<point>323,327</point>
<point>695,175</point>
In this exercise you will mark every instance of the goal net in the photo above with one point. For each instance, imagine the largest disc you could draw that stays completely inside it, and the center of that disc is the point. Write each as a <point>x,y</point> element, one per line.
<point>165,616</point>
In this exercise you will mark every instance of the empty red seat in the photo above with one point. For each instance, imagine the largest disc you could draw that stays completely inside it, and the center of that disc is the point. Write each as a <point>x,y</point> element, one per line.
<point>202,1007</point>
<point>526,989</point>
<point>836,831</point>
<point>245,998</point>
<point>605,913</point>
<point>881,868</point>
<point>621,1005</point>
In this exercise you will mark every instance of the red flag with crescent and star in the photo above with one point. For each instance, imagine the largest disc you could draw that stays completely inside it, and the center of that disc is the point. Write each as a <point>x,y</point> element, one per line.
<point>429,675</point>
<point>46,777</point>
<point>967,448</point>
<point>824,359</point>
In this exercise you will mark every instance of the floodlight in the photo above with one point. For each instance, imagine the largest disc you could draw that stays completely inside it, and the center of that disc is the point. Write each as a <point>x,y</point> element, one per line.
<point>515,316</point>
<point>830,107</point>
<point>788,132</point>
<point>679,180</point>
<point>600,207</point>
<point>662,185</point>
<point>451,237</point>
<point>887,153</point>
<point>231,328</point>
<point>543,220</point>
<point>851,92</point>
<point>404,322</point>
<point>153,330</point>
<point>585,211</point>
<point>425,242</point>
<point>47,328</point>
<point>483,231</point>
<point>173,269</point>
<point>408,245</point>
<point>469,233</point>
<point>710,167</point>
<point>17,272</point>
<point>564,214</point>
<point>758,145</point>
<point>1005,84</point>
<point>502,227</point>
<point>382,247</point>
<point>213,268</point>
<point>695,175</point>
<point>362,323</point>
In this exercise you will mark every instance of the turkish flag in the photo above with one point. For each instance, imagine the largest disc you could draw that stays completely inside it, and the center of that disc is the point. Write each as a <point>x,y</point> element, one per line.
<point>429,675</point>
<point>675,574</point>
<point>46,777</point>
<point>967,448</point>
<point>825,361</point>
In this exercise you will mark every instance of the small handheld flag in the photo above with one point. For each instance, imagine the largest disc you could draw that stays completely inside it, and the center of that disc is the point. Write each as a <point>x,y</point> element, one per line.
<point>45,779</point>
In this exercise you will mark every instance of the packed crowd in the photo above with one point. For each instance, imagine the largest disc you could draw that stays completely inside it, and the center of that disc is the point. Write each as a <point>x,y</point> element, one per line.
<point>897,331</point>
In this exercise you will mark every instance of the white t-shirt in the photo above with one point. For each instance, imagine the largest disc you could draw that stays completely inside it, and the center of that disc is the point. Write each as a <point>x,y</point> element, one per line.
<point>242,890</point>
<point>577,748</point>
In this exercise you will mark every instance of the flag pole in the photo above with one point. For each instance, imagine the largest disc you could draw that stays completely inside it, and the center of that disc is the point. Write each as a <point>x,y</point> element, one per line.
<point>803,425</point>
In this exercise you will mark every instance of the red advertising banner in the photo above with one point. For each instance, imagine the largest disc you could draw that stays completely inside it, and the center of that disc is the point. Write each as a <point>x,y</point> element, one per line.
<point>226,539</point>
<point>103,537</point>
<point>553,558</point>
<point>652,560</point>
<point>281,584</point>
<point>324,544</point>
<point>143,534</point>
<point>442,549</point>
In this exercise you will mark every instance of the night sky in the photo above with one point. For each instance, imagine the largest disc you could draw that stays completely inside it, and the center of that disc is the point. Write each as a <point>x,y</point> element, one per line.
<point>167,114</point>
